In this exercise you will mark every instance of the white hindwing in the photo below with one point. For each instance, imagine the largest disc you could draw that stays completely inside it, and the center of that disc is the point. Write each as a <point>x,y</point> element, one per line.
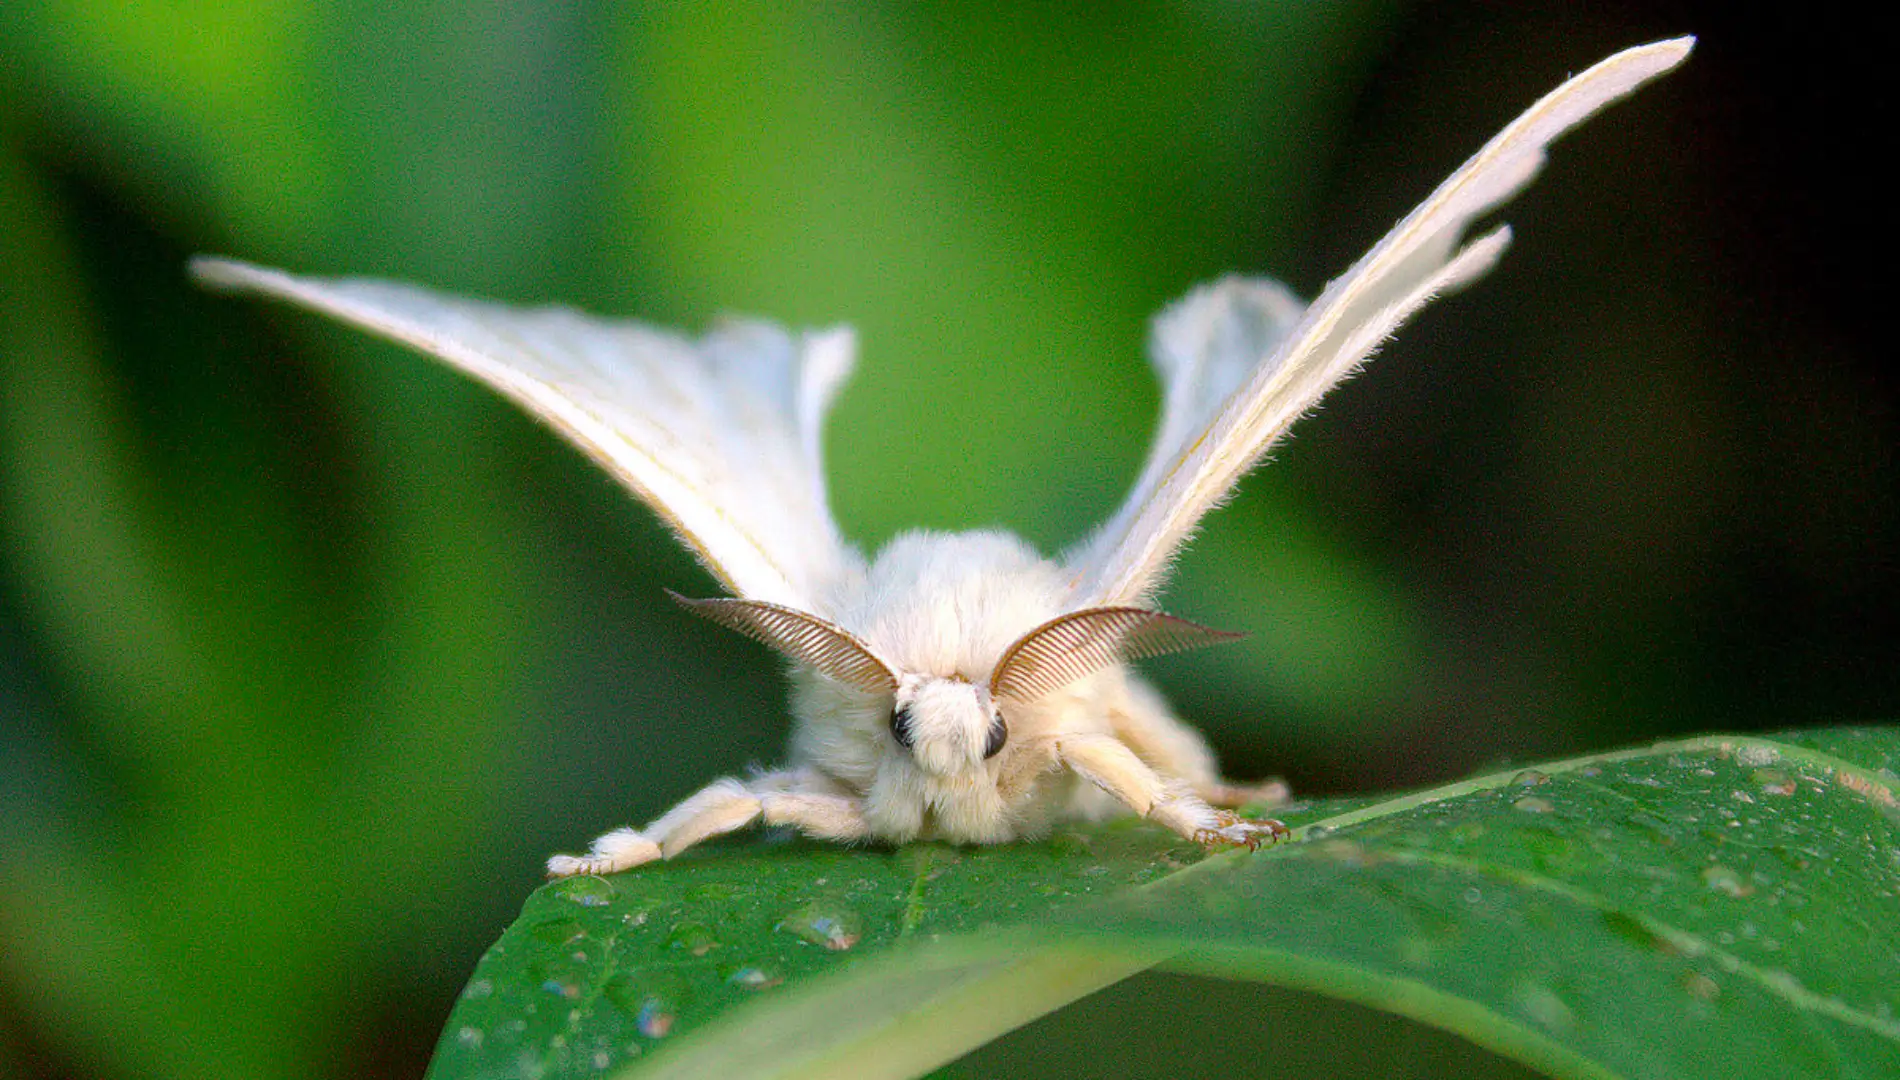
<point>719,435</point>
<point>1207,442</point>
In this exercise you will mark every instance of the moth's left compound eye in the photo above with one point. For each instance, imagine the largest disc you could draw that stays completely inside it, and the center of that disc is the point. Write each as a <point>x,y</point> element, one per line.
<point>900,725</point>
<point>999,734</point>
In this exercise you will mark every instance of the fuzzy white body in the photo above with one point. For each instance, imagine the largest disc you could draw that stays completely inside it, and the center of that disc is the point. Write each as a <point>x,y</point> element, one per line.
<point>960,686</point>
<point>943,608</point>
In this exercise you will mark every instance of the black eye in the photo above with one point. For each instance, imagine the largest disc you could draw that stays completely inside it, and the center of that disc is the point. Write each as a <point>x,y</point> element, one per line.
<point>999,734</point>
<point>900,725</point>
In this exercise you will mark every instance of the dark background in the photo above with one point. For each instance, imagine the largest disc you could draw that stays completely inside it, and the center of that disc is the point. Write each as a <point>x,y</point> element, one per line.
<point>310,651</point>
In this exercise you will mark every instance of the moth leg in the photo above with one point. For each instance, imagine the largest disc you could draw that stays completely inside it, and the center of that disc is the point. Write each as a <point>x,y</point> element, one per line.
<point>823,816</point>
<point>1147,726</point>
<point>1108,764</point>
<point>719,807</point>
<point>1222,792</point>
<point>723,806</point>
<point>622,849</point>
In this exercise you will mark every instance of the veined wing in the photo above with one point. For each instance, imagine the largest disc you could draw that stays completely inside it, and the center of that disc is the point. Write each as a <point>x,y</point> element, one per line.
<point>720,435</point>
<point>1192,468</point>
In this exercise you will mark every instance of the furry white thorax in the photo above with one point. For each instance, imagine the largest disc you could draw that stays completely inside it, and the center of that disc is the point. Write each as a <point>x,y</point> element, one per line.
<point>941,608</point>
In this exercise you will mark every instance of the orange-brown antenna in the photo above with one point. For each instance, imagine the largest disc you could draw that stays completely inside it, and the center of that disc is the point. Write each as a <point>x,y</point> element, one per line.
<point>829,649</point>
<point>1081,643</point>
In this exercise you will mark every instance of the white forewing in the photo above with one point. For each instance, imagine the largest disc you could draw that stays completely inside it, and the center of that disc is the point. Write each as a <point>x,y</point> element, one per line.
<point>1190,472</point>
<point>1203,348</point>
<point>720,435</point>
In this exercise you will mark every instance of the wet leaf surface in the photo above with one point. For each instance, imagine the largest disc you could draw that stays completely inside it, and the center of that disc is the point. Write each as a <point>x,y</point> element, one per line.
<point>1711,907</point>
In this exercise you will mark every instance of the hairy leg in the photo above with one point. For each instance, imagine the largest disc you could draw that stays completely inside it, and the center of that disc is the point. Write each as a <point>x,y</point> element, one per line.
<point>1227,793</point>
<point>1110,765</point>
<point>1146,726</point>
<point>794,797</point>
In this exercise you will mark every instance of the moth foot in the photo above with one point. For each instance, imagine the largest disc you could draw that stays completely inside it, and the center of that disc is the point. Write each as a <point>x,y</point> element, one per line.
<point>1240,832</point>
<point>622,849</point>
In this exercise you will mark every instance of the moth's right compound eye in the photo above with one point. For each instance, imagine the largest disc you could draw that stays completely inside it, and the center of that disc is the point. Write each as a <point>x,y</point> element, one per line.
<point>900,725</point>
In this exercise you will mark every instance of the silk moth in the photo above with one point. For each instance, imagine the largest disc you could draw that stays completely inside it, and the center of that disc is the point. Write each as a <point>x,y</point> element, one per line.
<point>955,686</point>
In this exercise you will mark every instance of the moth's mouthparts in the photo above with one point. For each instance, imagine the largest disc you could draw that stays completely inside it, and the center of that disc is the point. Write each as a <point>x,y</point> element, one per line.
<point>944,757</point>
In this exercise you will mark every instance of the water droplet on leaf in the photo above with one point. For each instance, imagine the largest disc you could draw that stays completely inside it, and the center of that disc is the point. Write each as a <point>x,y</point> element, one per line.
<point>1774,782</point>
<point>650,1004</point>
<point>1530,778</point>
<point>693,937</point>
<point>832,925</point>
<point>1700,986</point>
<point>1531,804</point>
<point>586,890</point>
<point>755,978</point>
<point>557,931</point>
<point>1726,881</point>
<point>1542,1004</point>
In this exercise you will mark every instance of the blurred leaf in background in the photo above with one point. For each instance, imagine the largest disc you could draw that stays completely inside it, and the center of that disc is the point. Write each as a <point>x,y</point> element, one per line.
<point>309,650</point>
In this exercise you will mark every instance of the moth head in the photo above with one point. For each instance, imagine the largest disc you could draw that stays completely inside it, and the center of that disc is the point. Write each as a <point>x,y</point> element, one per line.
<point>952,724</point>
<point>948,724</point>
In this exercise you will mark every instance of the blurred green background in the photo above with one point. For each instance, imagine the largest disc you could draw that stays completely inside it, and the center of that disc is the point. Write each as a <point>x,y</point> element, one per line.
<point>311,651</point>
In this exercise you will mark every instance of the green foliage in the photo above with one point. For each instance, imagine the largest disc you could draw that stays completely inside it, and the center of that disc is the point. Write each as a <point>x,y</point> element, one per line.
<point>1721,907</point>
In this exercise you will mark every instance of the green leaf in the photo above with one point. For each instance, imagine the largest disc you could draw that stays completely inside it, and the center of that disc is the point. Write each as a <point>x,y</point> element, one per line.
<point>1722,906</point>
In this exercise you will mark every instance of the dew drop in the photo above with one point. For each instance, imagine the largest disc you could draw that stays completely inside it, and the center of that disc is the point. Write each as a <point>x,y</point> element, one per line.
<point>1755,756</point>
<point>655,1020</point>
<point>1474,895</point>
<point>1774,782</point>
<point>1726,881</point>
<point>1700,986</point>
<point>832,925</point>
<point>557,931</point>
<point>693,937</point>
<point>755,978</point>
<point>1530,778</point>
<point>480,988</point>
<point>1465,832</point>
<point>585,890</point>
<point>470,1037</point>
<point>1348,852</point>
<point>649,1004</point>
<point>1318,832</point>
<point>1531,804</point>
<point>1542,1004</point>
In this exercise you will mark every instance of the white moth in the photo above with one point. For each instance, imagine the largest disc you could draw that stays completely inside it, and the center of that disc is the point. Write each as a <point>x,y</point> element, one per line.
<point>957,686</point>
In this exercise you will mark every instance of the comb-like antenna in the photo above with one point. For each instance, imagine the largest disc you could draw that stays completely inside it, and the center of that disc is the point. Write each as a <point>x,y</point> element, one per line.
<point>1081,643</point>
<point>809,640</point>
